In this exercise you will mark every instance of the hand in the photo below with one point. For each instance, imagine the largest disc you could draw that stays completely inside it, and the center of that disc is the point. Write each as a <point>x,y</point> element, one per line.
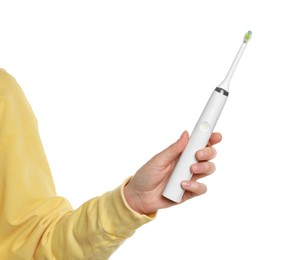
<point>144,191</point>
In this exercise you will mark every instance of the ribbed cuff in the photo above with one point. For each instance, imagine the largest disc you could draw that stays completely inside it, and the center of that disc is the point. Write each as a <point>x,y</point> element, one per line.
<point>121,220</point>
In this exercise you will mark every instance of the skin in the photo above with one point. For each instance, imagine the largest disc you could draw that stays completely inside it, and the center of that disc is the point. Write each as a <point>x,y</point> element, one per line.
<point>143,193</point>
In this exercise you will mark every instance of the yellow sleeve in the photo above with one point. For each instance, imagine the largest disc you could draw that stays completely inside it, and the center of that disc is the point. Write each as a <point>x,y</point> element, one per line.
<point>34,222</point>
<point>95,230</point>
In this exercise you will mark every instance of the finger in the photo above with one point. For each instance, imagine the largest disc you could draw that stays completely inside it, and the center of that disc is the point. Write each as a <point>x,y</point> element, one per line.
<point>215,139</point>
<point>205,168</point>
<point>174,150</point>
<point>206,154</point>
<point>193,189</point>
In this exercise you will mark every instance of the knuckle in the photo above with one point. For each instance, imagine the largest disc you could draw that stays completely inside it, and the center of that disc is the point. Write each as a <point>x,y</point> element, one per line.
<point>212,167</point>
<point>213,152</point>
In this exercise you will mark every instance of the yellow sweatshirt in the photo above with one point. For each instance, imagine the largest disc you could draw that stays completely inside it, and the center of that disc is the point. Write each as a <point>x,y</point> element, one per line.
<point>34,222</point>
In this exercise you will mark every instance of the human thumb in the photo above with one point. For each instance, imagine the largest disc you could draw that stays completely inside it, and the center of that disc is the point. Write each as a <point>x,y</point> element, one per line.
<point>175,149</point>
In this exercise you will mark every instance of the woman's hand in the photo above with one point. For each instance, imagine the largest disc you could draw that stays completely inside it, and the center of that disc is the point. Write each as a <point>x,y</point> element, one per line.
<point>144,191</point>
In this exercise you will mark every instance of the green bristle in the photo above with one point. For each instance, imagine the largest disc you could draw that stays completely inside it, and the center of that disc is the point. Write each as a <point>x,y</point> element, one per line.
<point>247,36</point>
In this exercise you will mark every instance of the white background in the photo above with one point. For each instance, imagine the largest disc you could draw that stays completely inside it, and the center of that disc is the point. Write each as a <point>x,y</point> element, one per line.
<point>114,82</point>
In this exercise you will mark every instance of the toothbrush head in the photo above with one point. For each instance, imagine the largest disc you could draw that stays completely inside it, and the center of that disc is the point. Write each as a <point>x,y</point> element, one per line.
<point>226,81</point>
<point>247,36</point>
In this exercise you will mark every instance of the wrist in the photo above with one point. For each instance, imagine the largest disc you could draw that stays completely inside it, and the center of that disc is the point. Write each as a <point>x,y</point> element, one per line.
<point>134,200</point>
<point>131,198</point>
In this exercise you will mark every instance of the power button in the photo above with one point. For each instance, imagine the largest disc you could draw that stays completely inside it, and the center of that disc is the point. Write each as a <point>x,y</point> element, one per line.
<point>204,126</point>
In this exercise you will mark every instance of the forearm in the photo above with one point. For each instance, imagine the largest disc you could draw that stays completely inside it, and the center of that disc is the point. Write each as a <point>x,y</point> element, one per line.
<point>96,229</point>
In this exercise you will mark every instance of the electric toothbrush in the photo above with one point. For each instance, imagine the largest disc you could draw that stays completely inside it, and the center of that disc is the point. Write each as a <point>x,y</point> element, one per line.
<point>202,131</point>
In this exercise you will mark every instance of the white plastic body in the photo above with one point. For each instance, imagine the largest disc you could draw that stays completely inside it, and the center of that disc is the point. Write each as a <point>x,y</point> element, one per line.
<point>198,140</point>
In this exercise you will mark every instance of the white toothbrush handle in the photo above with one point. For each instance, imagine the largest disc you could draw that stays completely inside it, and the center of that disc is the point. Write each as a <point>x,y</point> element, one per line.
<point>198,140</point>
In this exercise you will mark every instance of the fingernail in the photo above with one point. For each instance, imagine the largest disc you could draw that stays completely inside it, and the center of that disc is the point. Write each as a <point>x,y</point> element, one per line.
<point>195,167</point>
<point>186,184</point>
<point>182,135</point>
<point>201,154</point>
